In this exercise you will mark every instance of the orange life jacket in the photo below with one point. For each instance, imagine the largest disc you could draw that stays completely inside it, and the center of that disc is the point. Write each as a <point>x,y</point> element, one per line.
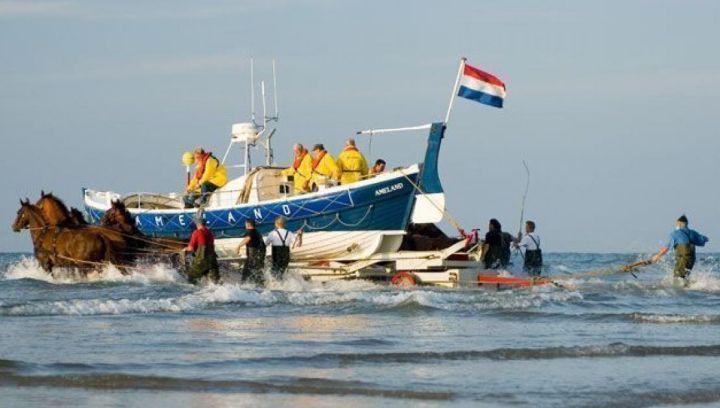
<point>298,160</point>
<point>200,169</point>
<point>316,162</point>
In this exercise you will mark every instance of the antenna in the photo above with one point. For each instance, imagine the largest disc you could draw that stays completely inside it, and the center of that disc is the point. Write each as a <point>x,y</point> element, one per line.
<point>275,102</point>
<point>252,88</point>
<point>262,92</point>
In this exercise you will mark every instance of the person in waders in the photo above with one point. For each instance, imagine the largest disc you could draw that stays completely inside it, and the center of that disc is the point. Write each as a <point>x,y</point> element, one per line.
<point>280,240</point>
<point>202,246</point>
<point>683,242</point>
<point>252,270</point>
<point>530,242</point>
<point>492,248</point>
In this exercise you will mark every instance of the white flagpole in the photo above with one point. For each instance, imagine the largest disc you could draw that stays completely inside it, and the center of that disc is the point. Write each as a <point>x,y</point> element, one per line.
<point>454,91</point>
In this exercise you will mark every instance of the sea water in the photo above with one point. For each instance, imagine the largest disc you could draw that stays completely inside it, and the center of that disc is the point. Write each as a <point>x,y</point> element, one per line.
<point>150,339</point>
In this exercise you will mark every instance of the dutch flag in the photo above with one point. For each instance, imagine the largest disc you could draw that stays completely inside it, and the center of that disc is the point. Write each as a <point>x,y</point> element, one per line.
<point>481,87</point>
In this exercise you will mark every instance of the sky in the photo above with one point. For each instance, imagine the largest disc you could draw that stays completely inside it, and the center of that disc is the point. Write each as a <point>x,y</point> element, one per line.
<point>613,104</point>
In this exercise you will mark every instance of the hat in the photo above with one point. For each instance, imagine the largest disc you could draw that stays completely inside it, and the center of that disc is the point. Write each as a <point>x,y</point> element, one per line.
<point>318,146</point>
<point>198,218</point>
<point>683,219</point>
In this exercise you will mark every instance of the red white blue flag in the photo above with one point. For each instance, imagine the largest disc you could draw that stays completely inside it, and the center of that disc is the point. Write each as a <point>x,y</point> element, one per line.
<point>481,87</point>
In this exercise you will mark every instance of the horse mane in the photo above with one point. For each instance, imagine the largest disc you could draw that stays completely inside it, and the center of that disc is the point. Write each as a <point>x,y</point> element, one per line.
<point>120,206</point>
<point>78,216</point>
<point>60,204</point>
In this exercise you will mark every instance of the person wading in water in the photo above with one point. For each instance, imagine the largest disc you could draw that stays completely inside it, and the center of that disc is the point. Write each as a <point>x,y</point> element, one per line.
<point>280,240</point>
<point>254,252</point>
<point>533,260</point>
<point>202,246</point>
<point>493,246</point>
<point>683,242</point>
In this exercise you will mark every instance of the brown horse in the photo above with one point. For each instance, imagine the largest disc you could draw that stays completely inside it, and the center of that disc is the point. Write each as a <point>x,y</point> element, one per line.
<point>117,216</point>
<point>63,247</point>
<point>57,213</point>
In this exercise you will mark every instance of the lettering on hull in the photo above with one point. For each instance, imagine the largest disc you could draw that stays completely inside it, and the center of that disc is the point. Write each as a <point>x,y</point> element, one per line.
<point>389,189</point>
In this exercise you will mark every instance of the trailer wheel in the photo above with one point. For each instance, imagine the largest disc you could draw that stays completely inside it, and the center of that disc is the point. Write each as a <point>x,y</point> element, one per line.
<point>404,279</point>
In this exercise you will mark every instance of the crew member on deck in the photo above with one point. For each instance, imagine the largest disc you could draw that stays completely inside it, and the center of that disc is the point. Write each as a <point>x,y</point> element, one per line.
<point>683,242</point>
<point>280,240</point>
<point>492,248</point>
<point>351,164</point>
<point>254,254</point>
<point>533,254</point>
<point>301,169</point>
<point>210,175</point>
<point>379,167</point>
<point>323,166</point>
<point>202,245</point>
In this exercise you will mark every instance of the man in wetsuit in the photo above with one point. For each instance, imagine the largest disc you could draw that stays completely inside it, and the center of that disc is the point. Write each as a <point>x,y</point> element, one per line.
<point>492,248</point>
<point>683,242</point>
<point>280,240</point>
<point>530,242</point>
<point>202,245</point>
<point>254,254</point>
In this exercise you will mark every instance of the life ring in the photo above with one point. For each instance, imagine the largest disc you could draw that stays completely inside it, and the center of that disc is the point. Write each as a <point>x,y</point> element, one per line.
<point>404,279</point>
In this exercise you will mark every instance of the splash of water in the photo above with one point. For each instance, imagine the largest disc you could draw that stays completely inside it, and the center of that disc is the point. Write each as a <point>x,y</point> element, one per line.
<point>29,268</point>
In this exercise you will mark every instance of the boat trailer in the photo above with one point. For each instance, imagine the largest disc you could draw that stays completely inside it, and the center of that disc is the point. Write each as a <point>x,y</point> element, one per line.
<point>454,266</point>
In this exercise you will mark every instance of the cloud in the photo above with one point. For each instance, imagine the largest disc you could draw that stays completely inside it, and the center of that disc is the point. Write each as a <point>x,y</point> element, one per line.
<point>18,8</point>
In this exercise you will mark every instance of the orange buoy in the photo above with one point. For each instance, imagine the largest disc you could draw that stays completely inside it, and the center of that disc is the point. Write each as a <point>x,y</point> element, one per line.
<point>404,279</point>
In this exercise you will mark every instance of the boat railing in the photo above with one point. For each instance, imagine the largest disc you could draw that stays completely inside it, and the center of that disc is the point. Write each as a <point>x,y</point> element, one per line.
<point>144,200</point>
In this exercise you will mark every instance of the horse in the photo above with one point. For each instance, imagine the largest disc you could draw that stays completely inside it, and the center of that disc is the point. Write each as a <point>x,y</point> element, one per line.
<point>57,213</point>
<point>118,217</point>
<point>57,246</point>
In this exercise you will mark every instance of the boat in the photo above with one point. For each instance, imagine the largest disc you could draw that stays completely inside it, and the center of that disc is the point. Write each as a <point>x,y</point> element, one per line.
<point>339,222</point>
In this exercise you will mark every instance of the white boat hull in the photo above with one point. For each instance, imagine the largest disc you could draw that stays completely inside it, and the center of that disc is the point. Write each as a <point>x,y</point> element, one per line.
<point>324,245</point>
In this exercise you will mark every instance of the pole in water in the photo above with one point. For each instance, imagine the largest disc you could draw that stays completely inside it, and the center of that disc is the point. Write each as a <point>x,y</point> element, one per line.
<point>527,188</point>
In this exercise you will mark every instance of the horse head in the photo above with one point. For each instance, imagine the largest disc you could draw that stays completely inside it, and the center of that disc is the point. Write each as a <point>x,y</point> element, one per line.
<point>114,215</point>
<point>25,215</point>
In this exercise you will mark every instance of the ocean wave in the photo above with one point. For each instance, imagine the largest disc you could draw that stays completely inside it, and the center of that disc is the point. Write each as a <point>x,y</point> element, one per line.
<point>614,350</point>
<point>29,268</point>
<point>675,318</point>
<point>332,360</point>
<point>197,300</point>
<point>357,295</point>
<point>286,385</point>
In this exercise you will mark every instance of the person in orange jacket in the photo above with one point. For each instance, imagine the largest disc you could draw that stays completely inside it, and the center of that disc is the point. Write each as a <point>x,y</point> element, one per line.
<point>323,166</point>
<point>301,169</point>
<point>210,175</point>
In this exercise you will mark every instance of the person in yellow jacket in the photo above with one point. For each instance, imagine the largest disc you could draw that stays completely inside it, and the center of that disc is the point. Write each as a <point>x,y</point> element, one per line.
<point>351,164</point>
<point>323,166</point>
<point>210,175</point>
<point>301,169</point>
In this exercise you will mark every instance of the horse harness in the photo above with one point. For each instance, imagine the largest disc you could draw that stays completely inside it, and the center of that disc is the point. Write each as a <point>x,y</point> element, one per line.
<point>38,241</point>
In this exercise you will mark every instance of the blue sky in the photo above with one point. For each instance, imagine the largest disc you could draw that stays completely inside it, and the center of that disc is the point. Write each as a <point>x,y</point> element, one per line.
<point>612,104</point>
